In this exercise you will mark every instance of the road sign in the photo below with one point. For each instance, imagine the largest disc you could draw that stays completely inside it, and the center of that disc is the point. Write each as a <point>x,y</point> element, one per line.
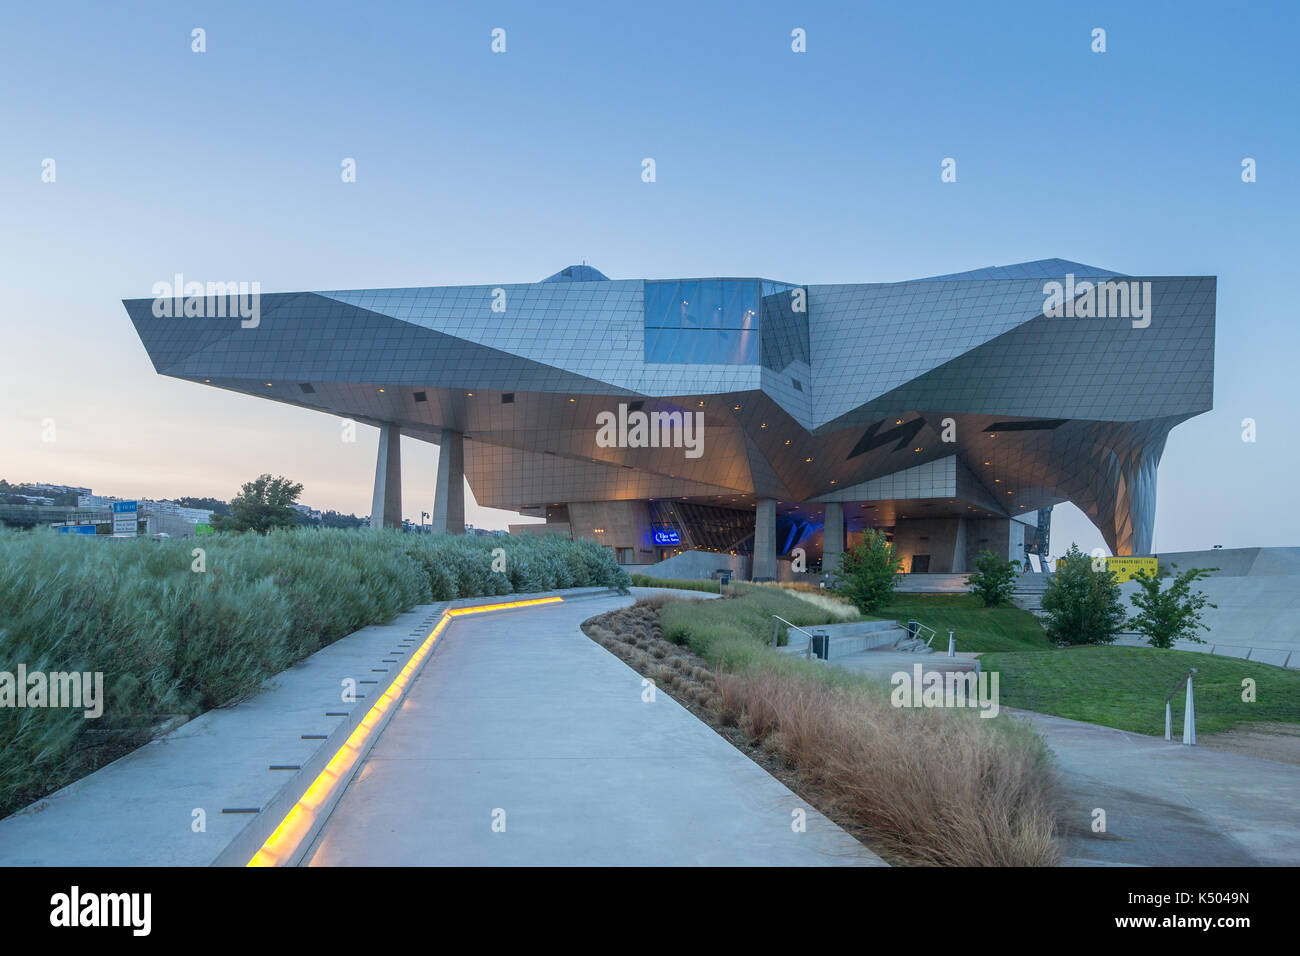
<point>125,515</point>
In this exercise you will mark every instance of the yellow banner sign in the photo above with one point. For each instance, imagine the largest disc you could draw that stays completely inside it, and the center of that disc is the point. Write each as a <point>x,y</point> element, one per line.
<point>1127,568</point>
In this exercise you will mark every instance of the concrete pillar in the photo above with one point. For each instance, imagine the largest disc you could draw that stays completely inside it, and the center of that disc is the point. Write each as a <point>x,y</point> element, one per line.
<point>833,536</point>
<point>765,540</point>
<point>386,504</point>
<point>449,495</point>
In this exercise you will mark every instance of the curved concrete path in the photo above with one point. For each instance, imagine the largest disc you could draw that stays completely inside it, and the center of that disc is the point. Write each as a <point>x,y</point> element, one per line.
<point>1169,805</point>
<point>523,742</point>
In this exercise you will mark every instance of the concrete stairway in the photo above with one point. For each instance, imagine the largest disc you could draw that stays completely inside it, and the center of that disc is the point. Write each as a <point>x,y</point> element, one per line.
<point>857,637</point>
<point>1029,591</point>
<point>914,645</point>
<point>937,583</point>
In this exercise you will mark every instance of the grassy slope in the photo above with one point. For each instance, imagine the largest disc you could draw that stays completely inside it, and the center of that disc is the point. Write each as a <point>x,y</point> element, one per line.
<point>975,627</point>
<point>1125,687</point>
<point>740,624</point>
<point>1121,687</point>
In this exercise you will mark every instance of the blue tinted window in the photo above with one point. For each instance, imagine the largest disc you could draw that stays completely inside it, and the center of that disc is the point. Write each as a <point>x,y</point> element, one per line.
<point>702,322</point>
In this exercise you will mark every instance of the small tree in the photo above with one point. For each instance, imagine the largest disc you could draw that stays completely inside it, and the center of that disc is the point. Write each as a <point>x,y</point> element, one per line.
<point>1174,613</point>
<point>1082,602</point>
<point>994,580</point>
<point>867,573</point>
<point>262,504</point>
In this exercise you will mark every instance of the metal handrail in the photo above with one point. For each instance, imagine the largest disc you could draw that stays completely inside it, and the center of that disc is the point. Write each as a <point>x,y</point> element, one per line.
<point>1179,686</point>
<point>776,631</point>
<point>920,626</point>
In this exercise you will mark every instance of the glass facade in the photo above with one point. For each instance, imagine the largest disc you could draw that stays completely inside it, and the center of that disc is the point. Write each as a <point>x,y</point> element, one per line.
<point>783,321</point>
<point>702,322</point>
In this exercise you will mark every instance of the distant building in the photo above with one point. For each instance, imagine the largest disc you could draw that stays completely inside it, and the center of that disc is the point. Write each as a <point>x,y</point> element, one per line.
<point>58,489</point>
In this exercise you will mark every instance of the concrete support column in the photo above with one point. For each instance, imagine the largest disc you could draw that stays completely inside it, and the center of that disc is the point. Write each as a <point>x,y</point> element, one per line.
<point>833,536</point>
<point>449,495</point>
<point>765,540</point>
<point>386,504</point>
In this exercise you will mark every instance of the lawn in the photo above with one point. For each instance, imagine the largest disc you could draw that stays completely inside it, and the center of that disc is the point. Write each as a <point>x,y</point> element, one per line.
<point>975,627</point>
<point>1121,687</point>
<point>1125,687</point>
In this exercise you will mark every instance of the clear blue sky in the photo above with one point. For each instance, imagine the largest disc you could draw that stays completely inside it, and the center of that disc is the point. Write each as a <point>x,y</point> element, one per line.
<point>480,167</point>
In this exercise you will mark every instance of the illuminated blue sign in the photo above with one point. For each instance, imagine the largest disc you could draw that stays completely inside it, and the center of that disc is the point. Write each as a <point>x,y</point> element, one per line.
<point>666,536</point>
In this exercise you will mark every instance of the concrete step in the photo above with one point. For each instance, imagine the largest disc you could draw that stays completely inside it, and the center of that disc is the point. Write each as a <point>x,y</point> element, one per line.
<point>849,638</point>
<point>913,645</point>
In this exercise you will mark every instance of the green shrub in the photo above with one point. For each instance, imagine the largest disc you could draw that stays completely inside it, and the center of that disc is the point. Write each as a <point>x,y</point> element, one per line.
<point>1172,614</point>
<point>684,584</point>
<point>868,572</point>
<point>1082,602</point>
<point>170,641</point>
<point>994,580</point>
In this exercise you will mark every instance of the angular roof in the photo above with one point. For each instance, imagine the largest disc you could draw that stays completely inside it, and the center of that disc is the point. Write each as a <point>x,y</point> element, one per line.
<point>583,273</point>
<point>1038,269</point>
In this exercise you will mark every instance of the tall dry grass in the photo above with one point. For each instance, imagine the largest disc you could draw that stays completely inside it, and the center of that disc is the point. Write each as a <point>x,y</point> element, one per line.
<point>934,787</point>
<point>818,597</point>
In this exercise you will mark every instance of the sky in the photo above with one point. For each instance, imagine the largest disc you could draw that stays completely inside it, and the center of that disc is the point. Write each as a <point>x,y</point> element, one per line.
<point>482,167</point>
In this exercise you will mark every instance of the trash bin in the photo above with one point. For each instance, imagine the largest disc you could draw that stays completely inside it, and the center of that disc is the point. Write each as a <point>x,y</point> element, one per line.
<point>821,645</point>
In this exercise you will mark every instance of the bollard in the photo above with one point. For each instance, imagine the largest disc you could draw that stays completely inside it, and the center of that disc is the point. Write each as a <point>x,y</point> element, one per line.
<point>952,646</point>
<point>1189,719</point>
<point>1169,722</point>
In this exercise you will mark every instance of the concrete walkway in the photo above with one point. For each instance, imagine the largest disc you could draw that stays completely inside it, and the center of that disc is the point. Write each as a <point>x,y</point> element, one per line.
<point>1170,805</point>
<point>520,718</point>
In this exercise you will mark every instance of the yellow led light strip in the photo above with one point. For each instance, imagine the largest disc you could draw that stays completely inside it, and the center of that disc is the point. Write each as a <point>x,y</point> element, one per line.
<point>461,611</point>
<point>298,821</point>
